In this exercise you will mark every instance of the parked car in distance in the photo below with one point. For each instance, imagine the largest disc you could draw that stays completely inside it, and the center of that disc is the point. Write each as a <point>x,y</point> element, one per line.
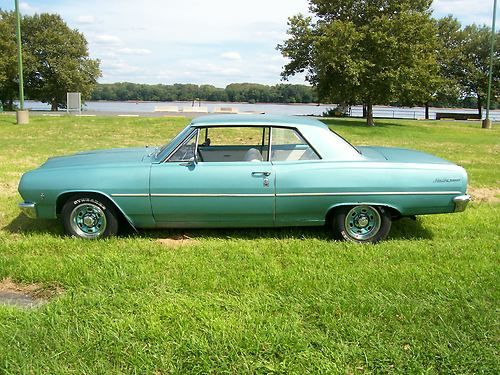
<point>244,171</point>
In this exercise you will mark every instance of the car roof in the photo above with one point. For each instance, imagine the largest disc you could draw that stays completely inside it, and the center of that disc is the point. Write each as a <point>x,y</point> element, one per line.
<point>256,120</point>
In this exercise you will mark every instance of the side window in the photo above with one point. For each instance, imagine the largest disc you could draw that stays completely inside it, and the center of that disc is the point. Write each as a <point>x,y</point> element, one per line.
<point>233,144</point>
<point>288,145</point>
<point>186,151</point>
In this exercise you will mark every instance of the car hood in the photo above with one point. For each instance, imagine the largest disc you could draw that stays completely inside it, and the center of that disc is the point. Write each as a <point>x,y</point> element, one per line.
<point>399,155</point>
<point>99,157</point>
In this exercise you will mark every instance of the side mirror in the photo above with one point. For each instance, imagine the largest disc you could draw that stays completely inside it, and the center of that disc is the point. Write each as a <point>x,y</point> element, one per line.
<point>190,163</point>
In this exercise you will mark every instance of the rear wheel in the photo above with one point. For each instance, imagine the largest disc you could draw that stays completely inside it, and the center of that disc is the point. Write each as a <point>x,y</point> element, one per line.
<point>89,217</point>
<point>362,224</point>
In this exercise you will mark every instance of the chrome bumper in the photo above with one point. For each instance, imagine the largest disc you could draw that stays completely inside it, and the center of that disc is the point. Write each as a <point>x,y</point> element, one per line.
<point>29,209</point>
<point>461,202</point>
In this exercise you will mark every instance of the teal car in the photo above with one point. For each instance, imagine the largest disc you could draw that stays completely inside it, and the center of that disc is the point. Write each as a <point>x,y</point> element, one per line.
<point>244,171</point>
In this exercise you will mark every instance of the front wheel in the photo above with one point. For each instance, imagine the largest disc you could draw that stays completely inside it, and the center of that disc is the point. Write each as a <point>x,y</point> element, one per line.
<point>89,217</point>
<point>362,224</point>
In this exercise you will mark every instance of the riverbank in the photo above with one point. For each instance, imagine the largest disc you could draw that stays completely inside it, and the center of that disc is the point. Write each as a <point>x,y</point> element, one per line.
<point>132,108</point>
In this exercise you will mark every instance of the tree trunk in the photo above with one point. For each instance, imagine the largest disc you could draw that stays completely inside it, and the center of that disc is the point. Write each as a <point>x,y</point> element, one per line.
<point>54,106</point>
<point>364,110</point>
<point>369,114</point>
<point>479,106</point>
<point>427,110</point>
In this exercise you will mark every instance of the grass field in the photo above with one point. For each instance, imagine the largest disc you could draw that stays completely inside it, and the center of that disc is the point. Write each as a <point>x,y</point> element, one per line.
<point>254,301</point>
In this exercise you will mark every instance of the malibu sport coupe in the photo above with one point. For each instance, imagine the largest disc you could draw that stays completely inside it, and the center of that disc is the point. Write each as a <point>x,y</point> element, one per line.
<point>244,171</point>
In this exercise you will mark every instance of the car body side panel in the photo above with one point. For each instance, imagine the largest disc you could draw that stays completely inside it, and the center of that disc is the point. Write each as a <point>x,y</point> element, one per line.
<point>126,184</point>
<point>225,194</point>
<point>306,191</point>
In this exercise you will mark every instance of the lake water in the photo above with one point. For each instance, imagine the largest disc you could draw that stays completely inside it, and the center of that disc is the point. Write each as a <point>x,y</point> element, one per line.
<point>276,109</point>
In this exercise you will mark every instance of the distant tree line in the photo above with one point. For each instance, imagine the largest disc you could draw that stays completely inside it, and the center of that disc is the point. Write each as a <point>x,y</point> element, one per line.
<point>56,60</point>
<point>235,92</point>
<point>239,92</point>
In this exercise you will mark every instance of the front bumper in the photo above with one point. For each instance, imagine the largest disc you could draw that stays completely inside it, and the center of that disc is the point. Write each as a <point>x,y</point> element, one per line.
<point>461,202</point>
<point>29,209</point>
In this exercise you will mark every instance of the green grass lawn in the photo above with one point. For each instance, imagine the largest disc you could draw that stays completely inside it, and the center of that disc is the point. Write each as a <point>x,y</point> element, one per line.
<point>254,301</point>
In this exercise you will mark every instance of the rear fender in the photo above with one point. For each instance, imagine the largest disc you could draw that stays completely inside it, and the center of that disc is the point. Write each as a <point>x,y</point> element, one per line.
<point>395,211</point>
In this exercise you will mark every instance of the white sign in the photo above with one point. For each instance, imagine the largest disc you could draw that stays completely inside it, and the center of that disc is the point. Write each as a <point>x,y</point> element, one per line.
<point>74,102</point>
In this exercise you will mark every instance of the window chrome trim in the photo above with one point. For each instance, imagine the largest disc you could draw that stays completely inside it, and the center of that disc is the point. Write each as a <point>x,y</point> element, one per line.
<point>184,141</point>
<point>235,126</point>
<point>196,145</point>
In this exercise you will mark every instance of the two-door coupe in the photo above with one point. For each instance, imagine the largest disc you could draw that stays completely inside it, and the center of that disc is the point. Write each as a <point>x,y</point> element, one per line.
<point>244,171</point>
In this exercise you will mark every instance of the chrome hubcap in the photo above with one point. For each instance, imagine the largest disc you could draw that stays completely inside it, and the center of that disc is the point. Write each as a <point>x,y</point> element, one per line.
<point>88,220</point>
<point>362,222</point>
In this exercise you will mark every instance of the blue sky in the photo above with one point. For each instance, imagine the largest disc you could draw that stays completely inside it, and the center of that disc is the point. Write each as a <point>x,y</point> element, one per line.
<point>195,41</point>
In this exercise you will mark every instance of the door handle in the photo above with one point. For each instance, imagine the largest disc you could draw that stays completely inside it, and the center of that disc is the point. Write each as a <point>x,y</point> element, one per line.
<point>261,174</point>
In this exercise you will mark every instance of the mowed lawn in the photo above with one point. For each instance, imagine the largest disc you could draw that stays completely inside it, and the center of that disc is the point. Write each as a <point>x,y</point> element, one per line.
<point>254,301</point>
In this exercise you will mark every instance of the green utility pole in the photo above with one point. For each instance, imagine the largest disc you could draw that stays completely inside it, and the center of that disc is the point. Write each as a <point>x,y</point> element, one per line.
<point>22,115</point>
<point>19,57</point>
<point>487,121</point>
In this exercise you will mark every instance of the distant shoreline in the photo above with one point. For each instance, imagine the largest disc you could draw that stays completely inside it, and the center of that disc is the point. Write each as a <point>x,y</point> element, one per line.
<point>206,101</point>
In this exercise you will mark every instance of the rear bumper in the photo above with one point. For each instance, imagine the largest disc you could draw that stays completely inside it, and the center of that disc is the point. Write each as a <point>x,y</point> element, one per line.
<point>461,202</point>
<point>29,209</point>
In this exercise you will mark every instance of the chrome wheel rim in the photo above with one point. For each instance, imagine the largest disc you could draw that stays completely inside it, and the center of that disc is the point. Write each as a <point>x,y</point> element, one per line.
<point>88,220</point>
<point>362,222</point>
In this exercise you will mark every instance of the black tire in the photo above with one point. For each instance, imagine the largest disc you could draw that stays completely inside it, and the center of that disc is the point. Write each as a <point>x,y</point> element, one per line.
<point>361,224</point>
<point>89,217</point>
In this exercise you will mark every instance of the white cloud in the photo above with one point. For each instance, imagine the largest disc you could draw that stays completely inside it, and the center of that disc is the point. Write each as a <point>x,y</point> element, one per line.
<point>26,8</point>
<point>107,39</point>
<point>120,67</point>
<point>134,51</point>
<point>87,20</point>
<point>215,42</point>
<point>231,55</point>
<point>467,11</point>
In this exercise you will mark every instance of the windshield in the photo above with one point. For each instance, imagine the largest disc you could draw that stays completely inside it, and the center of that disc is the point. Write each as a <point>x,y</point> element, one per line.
<point>166,149</point>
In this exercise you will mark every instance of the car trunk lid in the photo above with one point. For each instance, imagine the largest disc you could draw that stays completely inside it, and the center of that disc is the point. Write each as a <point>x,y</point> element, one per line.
<point>399,155</point>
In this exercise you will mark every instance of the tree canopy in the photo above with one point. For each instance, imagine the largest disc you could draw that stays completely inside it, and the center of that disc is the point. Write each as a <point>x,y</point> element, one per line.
<point>8,58</point>
<point>464,57</point>
<point>475,59</point>
<point>369,52</point>
<point>56,60</point>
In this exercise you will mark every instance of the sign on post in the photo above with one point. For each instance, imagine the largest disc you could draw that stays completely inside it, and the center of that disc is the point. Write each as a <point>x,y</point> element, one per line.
<point>74,102</point>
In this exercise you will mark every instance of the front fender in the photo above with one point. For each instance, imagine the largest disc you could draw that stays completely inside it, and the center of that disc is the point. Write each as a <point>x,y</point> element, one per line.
<point>65,195</point>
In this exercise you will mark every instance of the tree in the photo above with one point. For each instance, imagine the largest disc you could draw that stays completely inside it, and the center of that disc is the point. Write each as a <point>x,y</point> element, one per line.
<point>450,60</point>
<point>62,62</point>
<point>8,60</point>
<point>370,52</point>
<point>475,64</point>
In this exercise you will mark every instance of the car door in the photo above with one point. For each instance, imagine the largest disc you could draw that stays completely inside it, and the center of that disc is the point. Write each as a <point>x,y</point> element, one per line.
<point>187,191</point>
<point>298,174</point>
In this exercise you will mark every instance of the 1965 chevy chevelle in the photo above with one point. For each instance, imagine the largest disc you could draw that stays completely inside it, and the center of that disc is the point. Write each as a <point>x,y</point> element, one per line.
<point>244,171</point>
